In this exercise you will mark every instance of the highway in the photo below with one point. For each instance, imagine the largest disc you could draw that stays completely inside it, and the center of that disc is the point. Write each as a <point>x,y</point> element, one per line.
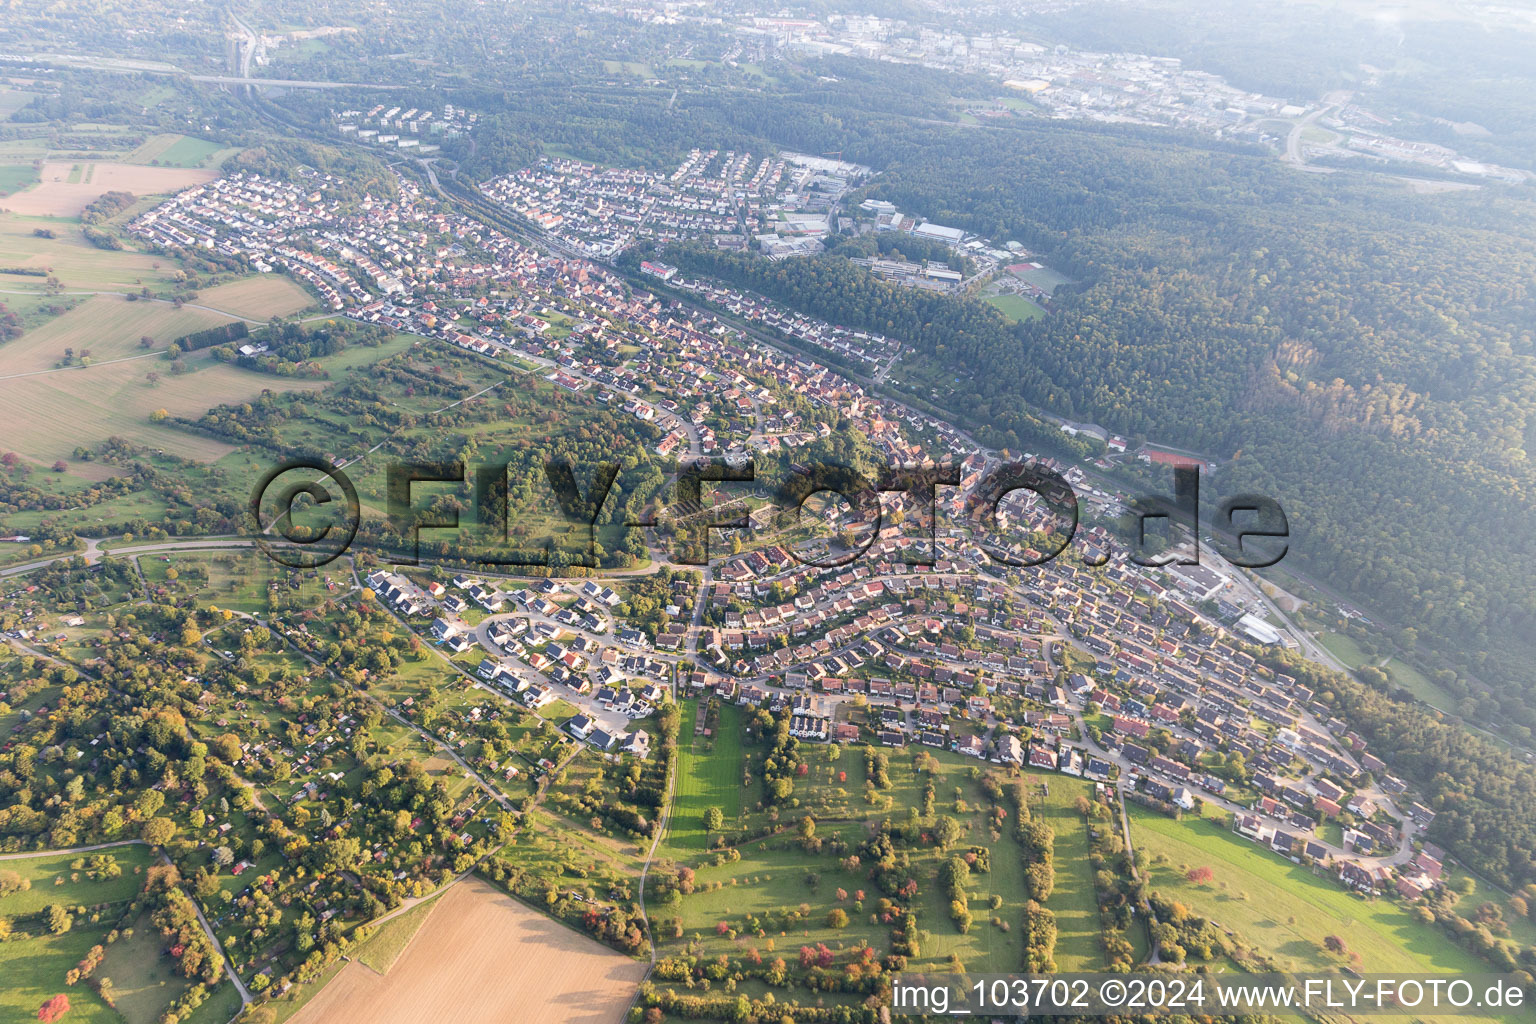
<point>1293,151</point>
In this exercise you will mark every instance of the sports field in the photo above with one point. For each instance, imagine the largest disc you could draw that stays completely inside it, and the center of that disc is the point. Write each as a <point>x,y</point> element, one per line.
<point>56,195</point>
<point>491,960</point>
<point>1016,307</point>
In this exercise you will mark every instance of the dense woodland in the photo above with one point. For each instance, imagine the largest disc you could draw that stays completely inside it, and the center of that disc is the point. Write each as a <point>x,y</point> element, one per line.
<point>1346,345</point>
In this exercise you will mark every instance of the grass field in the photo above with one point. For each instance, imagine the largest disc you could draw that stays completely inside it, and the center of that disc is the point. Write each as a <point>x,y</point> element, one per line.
<point>15,177</point>
<point>1078,946</point>
<point>54,881</point>
<point>781,890</point>
<point>706,777</point>
<point>1344,648</point>
<point>628,68</point>
<point>258,297</point>
<point>1016,307</point>
<point>146,983</point>
<point>1418,684</point>
<point>385,945</point>
<point>1282,909</point>
<point>73,260</point>
<point>32,970</point>
<point>12,100</point>
<point>33,962</point>
<point>493,960</point>
<point>1348,650</point>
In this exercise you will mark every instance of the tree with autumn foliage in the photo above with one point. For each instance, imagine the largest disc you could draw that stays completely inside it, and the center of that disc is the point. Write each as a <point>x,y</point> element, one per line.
<point>53,1009</point>
<point>1199,876</point>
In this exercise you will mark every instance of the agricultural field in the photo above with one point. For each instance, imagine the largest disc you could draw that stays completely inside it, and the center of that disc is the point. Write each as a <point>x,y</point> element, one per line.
<point>494,960</point>
<point>1282,909</point>
<point>172,150</point>
<point>258,298</point>
<point>108,328</point>
<point>51,411</point>
<point>74,262</point>
<point>56,195</point>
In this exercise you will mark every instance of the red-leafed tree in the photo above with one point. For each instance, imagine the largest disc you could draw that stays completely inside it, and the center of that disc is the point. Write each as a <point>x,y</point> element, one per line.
<point>1200,875</point>
<point>53,1009</point>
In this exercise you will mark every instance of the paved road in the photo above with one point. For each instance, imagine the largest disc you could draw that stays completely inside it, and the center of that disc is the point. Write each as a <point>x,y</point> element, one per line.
<point>1293,152</point>
<point>93,549</point>
<point>287,83</point>
<point>70,851</point>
